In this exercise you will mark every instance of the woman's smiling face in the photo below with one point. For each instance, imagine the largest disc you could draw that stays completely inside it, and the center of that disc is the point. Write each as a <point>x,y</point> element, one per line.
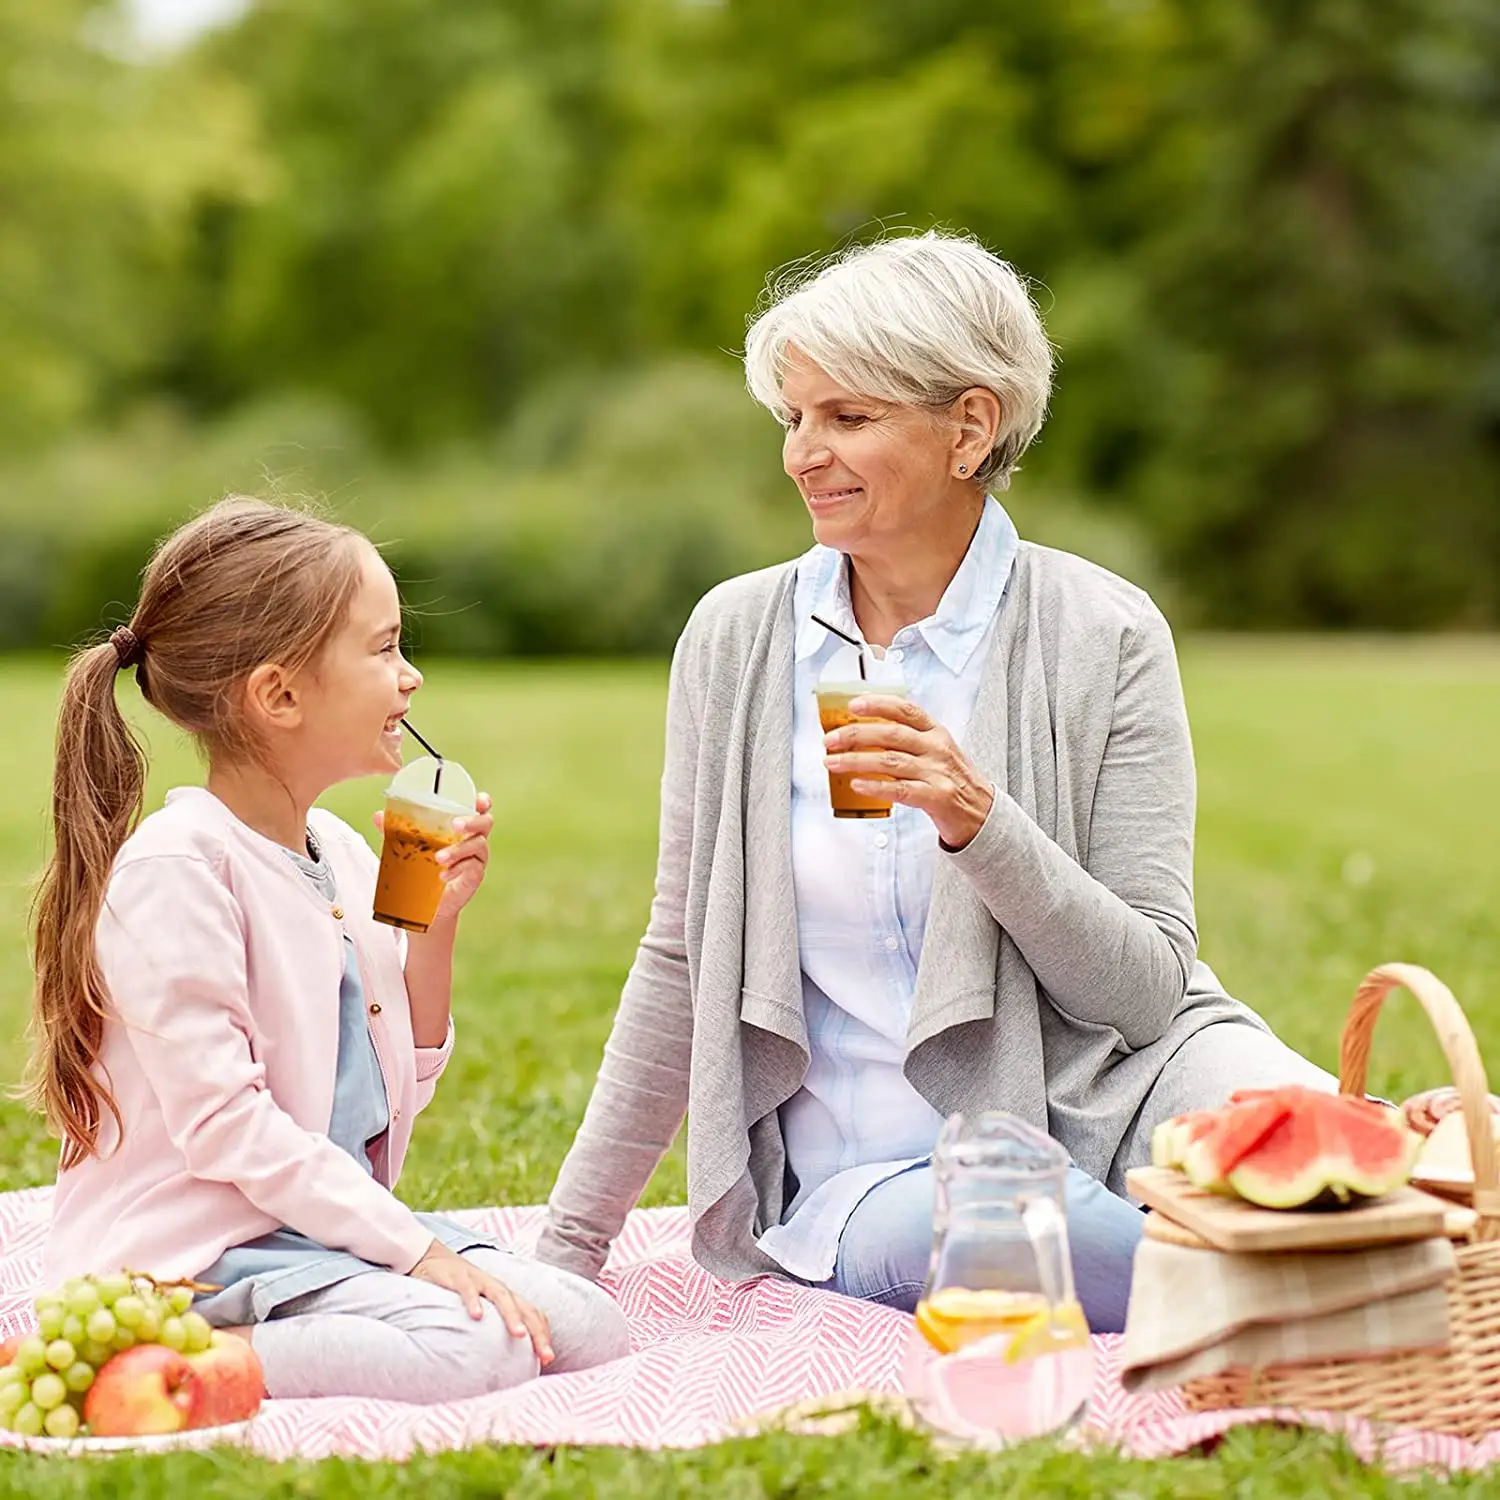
<point>872,472</point>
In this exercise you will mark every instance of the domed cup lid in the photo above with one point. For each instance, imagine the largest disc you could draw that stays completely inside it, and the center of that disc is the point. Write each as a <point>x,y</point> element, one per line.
<point>442,784</point>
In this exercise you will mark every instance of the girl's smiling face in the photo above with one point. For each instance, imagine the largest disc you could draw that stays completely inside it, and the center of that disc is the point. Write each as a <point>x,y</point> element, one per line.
<point>354,696</point>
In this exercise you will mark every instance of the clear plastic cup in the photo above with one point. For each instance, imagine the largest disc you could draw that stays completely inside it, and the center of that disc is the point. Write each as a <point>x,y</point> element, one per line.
<point>421,804</point>
<point>834,699</point>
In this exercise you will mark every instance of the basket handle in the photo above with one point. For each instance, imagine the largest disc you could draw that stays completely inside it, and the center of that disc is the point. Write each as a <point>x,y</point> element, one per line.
<point>1461,1050</point>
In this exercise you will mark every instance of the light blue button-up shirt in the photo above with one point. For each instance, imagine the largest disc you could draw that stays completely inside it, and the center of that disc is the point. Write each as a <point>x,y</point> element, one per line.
<point>862,890</point>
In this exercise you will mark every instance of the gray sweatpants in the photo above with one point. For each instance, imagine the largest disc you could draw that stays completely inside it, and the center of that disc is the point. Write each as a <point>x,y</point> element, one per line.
<point>393,1338</point>
<point>1202,1073</point>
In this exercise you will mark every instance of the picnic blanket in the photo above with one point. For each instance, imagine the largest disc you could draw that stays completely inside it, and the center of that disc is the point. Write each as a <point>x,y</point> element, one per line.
<point>706,1355</point>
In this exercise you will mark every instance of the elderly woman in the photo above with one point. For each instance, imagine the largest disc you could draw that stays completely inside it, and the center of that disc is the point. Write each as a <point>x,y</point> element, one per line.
<point>818,994</point>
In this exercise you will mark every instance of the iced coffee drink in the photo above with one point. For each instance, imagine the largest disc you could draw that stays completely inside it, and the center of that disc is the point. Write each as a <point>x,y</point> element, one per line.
<point>421,805</point>
<point>834,699</point>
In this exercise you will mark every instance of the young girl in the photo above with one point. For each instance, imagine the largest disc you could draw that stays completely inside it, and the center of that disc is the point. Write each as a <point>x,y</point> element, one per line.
<point>231,1048</point>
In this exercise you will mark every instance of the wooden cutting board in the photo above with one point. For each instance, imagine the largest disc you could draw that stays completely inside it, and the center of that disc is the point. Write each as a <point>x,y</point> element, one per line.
<point>1234,1225</point>
<point>1458,1224</point>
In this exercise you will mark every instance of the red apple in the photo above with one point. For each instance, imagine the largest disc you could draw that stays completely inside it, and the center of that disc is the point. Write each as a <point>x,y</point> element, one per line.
<point>231,1385</point>
<point>147,1389</point>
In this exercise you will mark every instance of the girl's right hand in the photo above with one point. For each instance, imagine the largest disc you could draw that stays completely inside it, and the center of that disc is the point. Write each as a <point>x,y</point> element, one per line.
<point>440,1266</point>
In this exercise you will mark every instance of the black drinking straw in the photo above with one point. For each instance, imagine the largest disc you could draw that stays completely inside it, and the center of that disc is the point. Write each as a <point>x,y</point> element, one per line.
<point>437,779</point>
<point>859,646</point>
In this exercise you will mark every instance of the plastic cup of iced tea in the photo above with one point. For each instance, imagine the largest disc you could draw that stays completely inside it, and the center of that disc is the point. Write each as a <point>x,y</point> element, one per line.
<point>834,699</point>
<point>421,804</point>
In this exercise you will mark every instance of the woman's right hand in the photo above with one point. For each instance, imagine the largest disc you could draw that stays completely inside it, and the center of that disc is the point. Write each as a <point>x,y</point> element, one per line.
<point>440,1266</point>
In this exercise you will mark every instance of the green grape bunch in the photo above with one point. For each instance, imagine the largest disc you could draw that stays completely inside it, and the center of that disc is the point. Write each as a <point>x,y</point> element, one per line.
<point>79,1328</point>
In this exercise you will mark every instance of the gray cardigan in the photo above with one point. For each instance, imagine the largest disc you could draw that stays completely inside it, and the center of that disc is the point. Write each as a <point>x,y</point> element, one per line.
<point>1058,970</point>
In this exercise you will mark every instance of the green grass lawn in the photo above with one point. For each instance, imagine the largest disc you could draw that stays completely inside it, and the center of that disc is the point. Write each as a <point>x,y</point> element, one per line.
<point>1346,816</point>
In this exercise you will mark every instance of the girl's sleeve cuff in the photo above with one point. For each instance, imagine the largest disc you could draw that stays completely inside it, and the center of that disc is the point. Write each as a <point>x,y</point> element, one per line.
<point>432,1060</point>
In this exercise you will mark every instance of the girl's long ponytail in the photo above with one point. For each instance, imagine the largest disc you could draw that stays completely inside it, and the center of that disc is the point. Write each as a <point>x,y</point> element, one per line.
<point>98,783</point>
<point>241,584</point>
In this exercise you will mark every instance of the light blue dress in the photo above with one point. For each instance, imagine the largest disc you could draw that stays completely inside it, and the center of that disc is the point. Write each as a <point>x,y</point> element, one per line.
<point>260,1277</point>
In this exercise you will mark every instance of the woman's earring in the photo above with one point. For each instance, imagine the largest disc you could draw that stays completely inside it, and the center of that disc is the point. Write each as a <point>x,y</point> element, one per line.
<point>963,468</point>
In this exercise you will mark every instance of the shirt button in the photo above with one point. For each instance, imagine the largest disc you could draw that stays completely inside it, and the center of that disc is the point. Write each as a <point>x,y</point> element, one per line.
<point>881,840</point>
<point>895,655</point>
<point>892,944</point>
<point>338,913</point>
<point>375,1008</point>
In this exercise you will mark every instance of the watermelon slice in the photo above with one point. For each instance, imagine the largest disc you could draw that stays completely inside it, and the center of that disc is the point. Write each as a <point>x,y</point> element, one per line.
<point>1291,1147</point>
<point>1171,1138</point>
<point>1325,1150</point>
<point>1212,1155</point>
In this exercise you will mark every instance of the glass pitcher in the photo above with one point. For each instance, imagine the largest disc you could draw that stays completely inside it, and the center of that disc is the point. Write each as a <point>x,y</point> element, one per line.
<point>1000,1349</point>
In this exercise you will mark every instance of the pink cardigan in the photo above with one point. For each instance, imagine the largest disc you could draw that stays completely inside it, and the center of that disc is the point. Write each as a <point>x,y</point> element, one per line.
<point>223,964</point>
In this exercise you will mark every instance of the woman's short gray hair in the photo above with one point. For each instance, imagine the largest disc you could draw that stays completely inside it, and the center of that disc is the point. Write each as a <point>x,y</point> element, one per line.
<point>918,320</point>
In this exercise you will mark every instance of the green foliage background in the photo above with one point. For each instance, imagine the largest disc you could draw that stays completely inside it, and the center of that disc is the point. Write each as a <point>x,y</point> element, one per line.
<point>477,272</point>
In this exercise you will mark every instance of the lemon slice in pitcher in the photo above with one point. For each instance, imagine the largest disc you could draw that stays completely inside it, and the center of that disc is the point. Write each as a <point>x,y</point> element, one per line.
<point>1049,1330</point>
<point>957,1316</point>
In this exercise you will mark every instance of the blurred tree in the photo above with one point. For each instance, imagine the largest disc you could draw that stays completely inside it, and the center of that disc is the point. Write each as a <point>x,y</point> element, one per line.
<point>1323,428</point>
<point>1263,233</point>
<point>98,170</point>
<point>428,247</point>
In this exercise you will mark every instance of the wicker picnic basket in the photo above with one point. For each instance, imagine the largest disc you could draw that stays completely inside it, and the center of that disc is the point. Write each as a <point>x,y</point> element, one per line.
<point>1454,1390</point>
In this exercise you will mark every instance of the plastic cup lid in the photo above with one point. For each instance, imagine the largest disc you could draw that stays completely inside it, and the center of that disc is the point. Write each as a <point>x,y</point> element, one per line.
<point>418,781</point>
<point>839,687</point>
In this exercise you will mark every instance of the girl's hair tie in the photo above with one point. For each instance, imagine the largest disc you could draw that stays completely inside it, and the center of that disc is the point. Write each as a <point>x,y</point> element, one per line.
<point>128,648</point>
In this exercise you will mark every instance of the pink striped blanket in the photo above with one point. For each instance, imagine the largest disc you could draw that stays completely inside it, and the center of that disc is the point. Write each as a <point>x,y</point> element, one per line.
<point>706,1355</point>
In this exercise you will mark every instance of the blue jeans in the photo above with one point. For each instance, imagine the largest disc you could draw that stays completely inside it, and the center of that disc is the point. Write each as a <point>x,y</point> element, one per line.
<point>886,1245</point>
